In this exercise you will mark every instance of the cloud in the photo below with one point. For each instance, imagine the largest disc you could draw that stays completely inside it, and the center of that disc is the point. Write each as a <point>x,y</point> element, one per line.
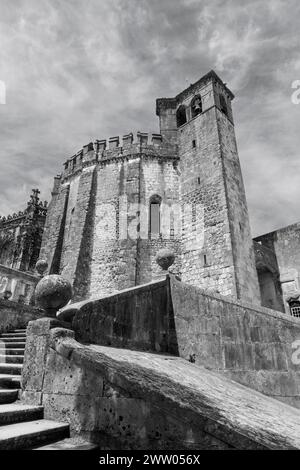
<point>76,71</point>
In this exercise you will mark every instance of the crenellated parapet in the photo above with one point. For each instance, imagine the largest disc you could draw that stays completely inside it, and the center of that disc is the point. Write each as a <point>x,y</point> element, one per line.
<point>115,148</point>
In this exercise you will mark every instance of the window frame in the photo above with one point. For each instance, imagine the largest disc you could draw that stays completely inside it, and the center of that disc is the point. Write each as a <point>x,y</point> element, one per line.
<point>155,200</point>
<point>294,306</point>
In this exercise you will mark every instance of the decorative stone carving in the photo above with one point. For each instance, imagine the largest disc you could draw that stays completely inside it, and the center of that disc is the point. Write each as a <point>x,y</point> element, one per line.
<point>7,294</point>
<point>41,266</point>
<point>165,258</point>
<point>293,297</point>
<point>52,293</point>
<point>21,235</point>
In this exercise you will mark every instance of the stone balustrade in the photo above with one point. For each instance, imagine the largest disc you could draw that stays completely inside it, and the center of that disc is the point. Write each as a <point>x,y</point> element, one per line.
<point>16,285</point>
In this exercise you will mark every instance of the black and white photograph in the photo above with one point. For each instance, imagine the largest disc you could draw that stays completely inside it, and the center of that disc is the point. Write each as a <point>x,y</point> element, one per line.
<point>149,231</point>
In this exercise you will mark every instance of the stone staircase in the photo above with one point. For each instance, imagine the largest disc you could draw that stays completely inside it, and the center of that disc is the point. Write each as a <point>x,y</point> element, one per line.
<point>23,426</point>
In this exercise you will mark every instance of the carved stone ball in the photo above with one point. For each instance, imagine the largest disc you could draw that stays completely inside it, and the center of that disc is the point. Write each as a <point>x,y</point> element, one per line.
<point>7,294</point>
<point>52,293</point>
<point>165,258</point>
<point>41,266</point>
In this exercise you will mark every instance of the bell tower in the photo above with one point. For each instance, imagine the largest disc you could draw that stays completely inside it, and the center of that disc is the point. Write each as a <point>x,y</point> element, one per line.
<point>216,244</point>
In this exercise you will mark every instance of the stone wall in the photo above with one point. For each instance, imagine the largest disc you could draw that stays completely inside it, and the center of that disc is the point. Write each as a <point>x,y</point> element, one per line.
<point>238,218</point>
<point>14,315</point>
<point>139,318</point>
<point>255,346</point>
<point>285,245</point>
<point>122,251</point>
<point>17,285</point>
<point>51,249</point>
<point>207,258</point>
<point>76,258</point>
<point>97,230</point>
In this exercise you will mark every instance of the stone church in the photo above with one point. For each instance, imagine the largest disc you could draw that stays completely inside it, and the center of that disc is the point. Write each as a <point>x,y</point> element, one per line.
<point>118,202</point>
<point>113,348</point>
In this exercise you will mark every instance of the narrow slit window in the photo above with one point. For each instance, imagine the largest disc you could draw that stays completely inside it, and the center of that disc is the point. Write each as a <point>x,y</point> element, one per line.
<point>154,218</point>
<point>223,105</point>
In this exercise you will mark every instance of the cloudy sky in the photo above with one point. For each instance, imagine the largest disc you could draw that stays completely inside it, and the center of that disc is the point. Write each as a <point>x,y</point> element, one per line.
<point>80,70</point>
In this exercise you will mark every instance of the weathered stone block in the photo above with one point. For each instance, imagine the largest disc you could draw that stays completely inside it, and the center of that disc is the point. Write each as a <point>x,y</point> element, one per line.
<point>37,349</point>
<point>34,362</point>
<point>263,357</point>
<point>63,377</point>
<point>30,397</point>
<point>78,410</point>
<point>256,345</point>
<point>42,326</point>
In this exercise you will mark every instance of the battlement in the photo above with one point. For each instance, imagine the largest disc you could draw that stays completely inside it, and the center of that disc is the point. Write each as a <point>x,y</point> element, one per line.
<point>129,143</point>
<point>105,150</point>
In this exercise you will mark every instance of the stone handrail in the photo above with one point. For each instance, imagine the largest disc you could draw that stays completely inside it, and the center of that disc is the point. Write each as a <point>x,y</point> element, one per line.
<point>147,395</point>
<point>16,285</point>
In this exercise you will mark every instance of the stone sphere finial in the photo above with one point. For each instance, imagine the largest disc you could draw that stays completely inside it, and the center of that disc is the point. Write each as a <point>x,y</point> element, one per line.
<point>41,266</point>
<point>52,293</point>
<point>7,294</point>
<point>165,258</point>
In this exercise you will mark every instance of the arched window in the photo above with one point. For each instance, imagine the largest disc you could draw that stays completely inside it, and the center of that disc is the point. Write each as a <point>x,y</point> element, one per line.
<point>223,105</point>
<point>196,106</point>
<point>154,219</point>
<point>181,115</point>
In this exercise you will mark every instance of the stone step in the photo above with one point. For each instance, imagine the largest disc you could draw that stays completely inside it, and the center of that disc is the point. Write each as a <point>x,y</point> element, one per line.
<point>13,340</point>
<point>9,345</point>
<point>11,369</point>
<point>17,413</point>
<point>12,351</point>
<point>13,335</point>
<point>70,443</point>
<point>10,381</point>
<point>11,359</point>
<point>8,395</point>
<point>31,434</point>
